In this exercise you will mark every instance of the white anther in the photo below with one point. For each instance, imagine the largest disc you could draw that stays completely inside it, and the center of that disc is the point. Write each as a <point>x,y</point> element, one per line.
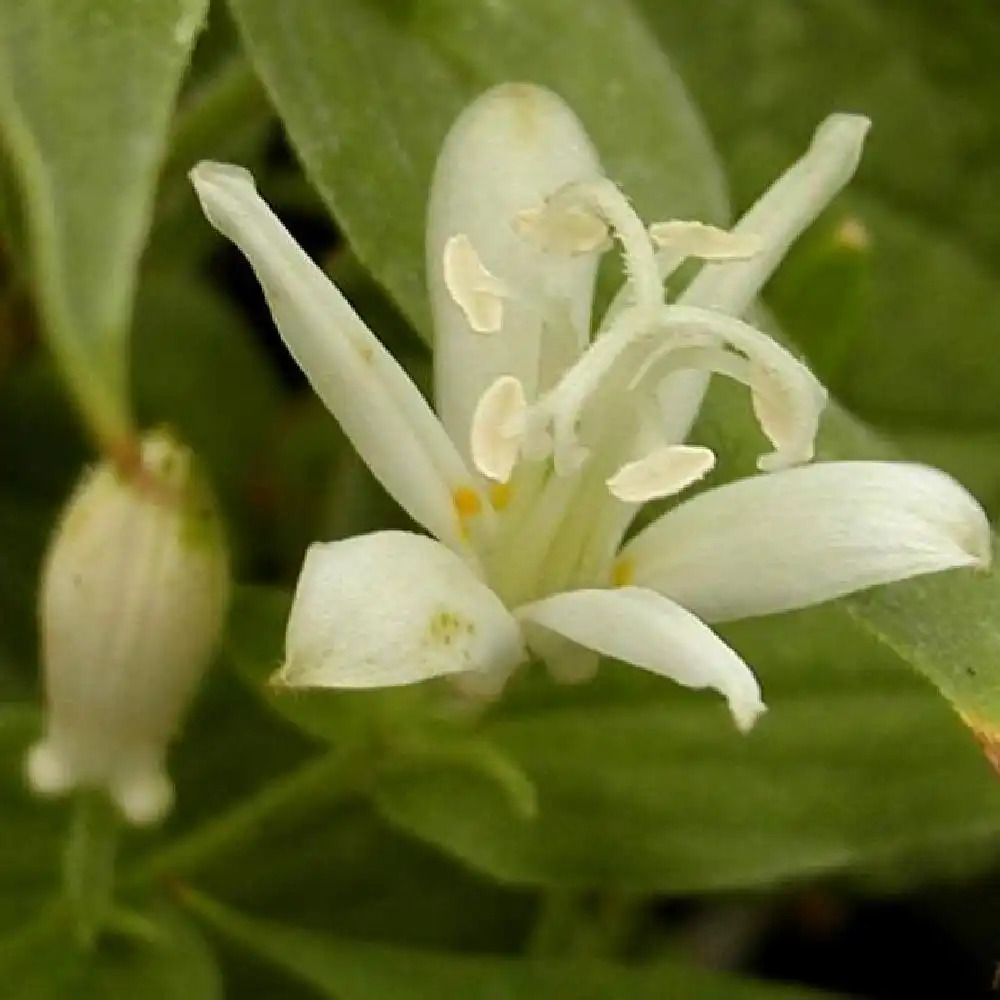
<point>563,229</point>
<point>696,239</point>
<point>600,202</point>
<point>661,473</point>
<point>499,425</point>
<point>477,292</point>
<point>789,417</point>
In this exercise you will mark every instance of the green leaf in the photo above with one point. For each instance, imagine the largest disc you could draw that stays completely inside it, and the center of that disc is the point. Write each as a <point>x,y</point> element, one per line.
<point>355,970</point>
<point>171,961</point>
<point>641,785</point>
<point>87,148</point>
<point>367,91</point>
<point>225,115</point>
<point>199,369</point>
<point>644,786</point>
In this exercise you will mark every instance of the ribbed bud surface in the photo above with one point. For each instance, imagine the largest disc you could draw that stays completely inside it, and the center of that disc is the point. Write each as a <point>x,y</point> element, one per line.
<point>132,600</point>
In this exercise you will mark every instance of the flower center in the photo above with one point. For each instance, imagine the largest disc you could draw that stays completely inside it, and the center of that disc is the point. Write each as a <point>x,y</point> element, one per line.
<point>601,412</point>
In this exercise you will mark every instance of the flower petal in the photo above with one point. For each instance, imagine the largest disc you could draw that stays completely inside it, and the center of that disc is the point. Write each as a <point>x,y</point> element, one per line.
<point>381,410</point>
<point>649,631</point>
<point>798,537</point>
<point>393,608</point>
<point>780,215</point>
<point>508,151</point>
<point>788,207</point>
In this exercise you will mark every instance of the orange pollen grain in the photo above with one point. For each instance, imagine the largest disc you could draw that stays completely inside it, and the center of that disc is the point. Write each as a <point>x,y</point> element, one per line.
<point>622,573</point>
<point>499,495</point>
<point>466,501</point>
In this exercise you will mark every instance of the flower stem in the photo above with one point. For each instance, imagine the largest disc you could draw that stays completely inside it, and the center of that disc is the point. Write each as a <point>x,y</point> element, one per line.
<point>571,923</point>
<point>89,864</point>
<point>335,775</point>
<point>556,924</point>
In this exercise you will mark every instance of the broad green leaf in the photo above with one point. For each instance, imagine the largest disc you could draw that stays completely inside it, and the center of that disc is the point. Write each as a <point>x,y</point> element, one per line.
<point>367,91</point>
<point>224,115</point>
<point>922,349</point>
<point>86,92</point>
<point>356,970</point>
<point>198,368</point>
<point>644,786</point>
<point>765,73</point>
<point>170,962</point>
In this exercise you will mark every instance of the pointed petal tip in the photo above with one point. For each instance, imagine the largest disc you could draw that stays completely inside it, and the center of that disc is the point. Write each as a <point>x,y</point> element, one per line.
<point>207,174</point>
<point>46,771</point>
<point>525,99</point>
<point>843,128</point>
<point>224,191</point>
<point>278,681</point>
<point>746,714</point>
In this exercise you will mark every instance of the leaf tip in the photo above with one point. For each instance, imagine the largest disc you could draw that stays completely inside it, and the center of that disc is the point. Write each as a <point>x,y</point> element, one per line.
<point>988,738</point>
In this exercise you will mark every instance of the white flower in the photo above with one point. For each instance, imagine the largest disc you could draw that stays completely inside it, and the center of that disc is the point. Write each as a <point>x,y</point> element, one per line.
<point>547,441</point>
<point>132,601</point>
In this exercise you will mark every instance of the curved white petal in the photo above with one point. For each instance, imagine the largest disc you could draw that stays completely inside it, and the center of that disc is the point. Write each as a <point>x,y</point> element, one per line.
<point>794,538</point>
<point>381,410</point>
<point>649,631</point>
<point>508,151</point>
<point>788,207</point>
<point>393,608</point>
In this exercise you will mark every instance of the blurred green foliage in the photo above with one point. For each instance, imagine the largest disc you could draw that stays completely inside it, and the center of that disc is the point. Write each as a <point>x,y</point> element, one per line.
<point>860,772</point>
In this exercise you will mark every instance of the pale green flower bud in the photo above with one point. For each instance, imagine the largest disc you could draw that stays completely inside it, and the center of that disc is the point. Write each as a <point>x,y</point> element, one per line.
<point>132,601</point>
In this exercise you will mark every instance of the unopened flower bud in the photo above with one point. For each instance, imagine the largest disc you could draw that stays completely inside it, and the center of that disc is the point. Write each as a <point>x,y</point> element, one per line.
<point>133,595</point>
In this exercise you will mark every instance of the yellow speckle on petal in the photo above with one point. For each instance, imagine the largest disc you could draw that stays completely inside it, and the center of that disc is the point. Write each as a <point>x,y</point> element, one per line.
<point>622,572</point>
<point>447,627</point>
<point>499,495</point>
<point>467,505</point>
<point>466,501</point>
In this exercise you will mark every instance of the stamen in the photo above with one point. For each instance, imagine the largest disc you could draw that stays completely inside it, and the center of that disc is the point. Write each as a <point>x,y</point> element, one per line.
<point>789,425</point>
<point>467,502</point>
<point>477,292</point>
<point>569,230</point>
<point>579,216</point>
<point>500,495</point>
<point>499,425</point>
<point>696,239</point>
<point>623,572</point>
<point>661,473</point>
<point>789,397</point>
